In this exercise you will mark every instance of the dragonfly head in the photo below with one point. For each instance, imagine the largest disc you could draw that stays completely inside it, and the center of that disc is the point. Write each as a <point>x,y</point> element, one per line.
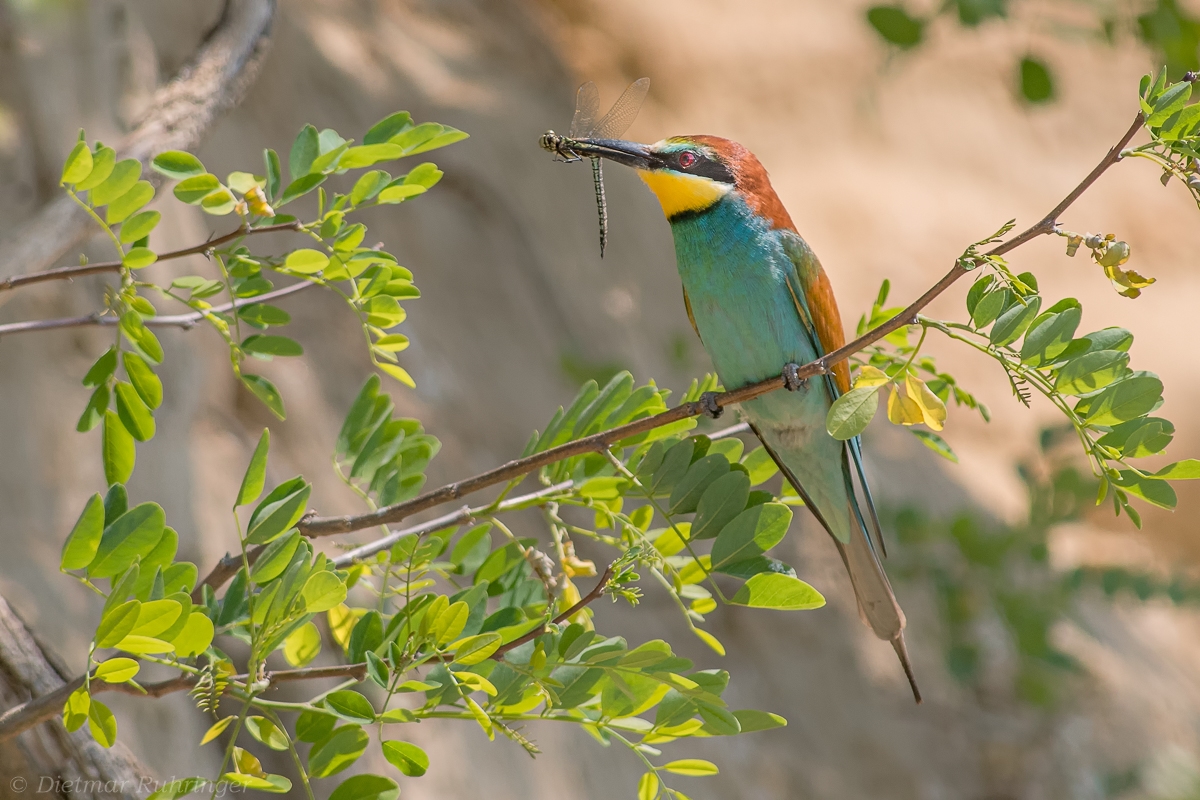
<point>688,174</point>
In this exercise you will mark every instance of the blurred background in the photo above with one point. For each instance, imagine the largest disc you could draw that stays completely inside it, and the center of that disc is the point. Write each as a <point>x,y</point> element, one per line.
<point>1058,647</point>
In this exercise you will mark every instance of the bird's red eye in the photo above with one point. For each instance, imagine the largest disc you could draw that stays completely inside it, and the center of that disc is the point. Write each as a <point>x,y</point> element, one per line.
<point>687,158</point>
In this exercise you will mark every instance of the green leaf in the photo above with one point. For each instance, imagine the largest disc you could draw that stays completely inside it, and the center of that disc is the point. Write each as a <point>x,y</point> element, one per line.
<point>1124,400</point>
<point>1091,372</point>
<point>267,732</point>
<point>177,165</point>
<point>124,175</point>
<point>351,707</point>
<point>313,726</point>
<point>687,493</point>
<point>751,720</point>
<point>406,757</point>
<point>1186,470</point>
<point>303,645</point>
<point>719,720</point>
<point>103,160</point>
<point>647,788</point>
<point>426,175</point>
<point>773,590</point>
<point>935,443</point>
<point>1154,491</point>
<point>751,533</point>
<point>155,617</point>
<point>852,412</point>
<point>383,311</point>
<point>305,149</point>
<point>475,649</point>
<point>78,164</point>
<point>990,306</point>
<point>117,448</point>
<point>196,188</point>
<point>272,784</point>
<point>261,315</point>
<point>398,193</point>
<point>139,257</point>
<point>131,535</point>
<point>896,26</point>
<point>84,540</point>
<point>93,412</point>
<point>103,369</point>
<point>1140,437</point>
<point>274,173</point>
<point>195,637</point>
<point>760,466</point>
<point>256,471</point>
<point>1014,321</point>
<point>265,391</point>
<point>1172,100</point>
<point>129,203</point>
<point>279,511</point>
<point>306,261</point>
<point>368,155</point>
<point>695,767</point>
<point>117,623</point>
<point>367,787</point>
<point>300,187</point>
<point>323,591</point>
<point>102,724</point>
<point>134,414</point>
<point>337,751</point>
<point>145,382</point>
<point>368,185</point>
<point>258,344</point>
<point>388,127</point>
<point>219,203</point>
<point>273,560</point>
<point>1050,335</point>
<point>723,500</point>
<point>1034,80</point>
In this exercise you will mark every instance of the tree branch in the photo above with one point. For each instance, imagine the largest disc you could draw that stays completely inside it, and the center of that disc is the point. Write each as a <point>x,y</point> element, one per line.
<point>596,592</point>
<point>312,525</point>
<point>184,321</point>
<point>21,718</point>
<point>68,273</point>
<point>181,113</point>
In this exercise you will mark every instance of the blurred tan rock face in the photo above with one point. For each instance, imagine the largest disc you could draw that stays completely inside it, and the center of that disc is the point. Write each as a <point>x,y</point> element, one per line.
<point>888,171</point>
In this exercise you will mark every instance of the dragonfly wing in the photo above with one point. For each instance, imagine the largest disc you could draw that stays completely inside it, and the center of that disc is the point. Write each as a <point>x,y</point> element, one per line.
<point>624,111</point>
<point>587,103</point>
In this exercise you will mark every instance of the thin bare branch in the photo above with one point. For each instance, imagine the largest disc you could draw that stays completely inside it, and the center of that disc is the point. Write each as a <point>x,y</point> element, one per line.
<point>97,267</point>
<point>184,321</point>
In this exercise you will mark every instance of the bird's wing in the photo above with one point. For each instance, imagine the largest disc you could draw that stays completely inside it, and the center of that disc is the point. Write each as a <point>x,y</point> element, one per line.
<point>815,302</point>
<point>687,305</point>
<point>818,310</point>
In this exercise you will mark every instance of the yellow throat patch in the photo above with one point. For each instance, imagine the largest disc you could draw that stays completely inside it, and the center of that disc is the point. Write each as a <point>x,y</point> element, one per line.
<point>679,193</point>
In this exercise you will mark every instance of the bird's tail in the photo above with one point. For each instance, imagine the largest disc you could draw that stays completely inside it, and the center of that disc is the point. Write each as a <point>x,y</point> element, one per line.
<point>877,605</point>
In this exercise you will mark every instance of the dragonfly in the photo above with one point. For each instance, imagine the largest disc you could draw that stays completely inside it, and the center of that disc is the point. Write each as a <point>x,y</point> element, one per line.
<point>584,125</point>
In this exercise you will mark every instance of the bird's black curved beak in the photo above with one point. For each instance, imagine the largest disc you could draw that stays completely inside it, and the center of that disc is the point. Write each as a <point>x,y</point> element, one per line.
<point>631,154</point>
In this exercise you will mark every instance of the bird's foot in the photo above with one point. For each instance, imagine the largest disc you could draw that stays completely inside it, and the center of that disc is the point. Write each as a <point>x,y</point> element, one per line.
<point>791,377</point>
<point>708,404</point>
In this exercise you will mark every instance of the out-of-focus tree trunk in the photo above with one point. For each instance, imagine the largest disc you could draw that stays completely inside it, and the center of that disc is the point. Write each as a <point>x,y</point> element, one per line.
<point>47,760</point>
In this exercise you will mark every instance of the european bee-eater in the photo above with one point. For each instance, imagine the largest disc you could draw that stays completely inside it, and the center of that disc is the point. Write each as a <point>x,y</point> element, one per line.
<point>759,300</point>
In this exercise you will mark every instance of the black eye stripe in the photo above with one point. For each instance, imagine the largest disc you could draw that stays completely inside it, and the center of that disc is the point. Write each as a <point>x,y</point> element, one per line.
<point>711,168</point>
